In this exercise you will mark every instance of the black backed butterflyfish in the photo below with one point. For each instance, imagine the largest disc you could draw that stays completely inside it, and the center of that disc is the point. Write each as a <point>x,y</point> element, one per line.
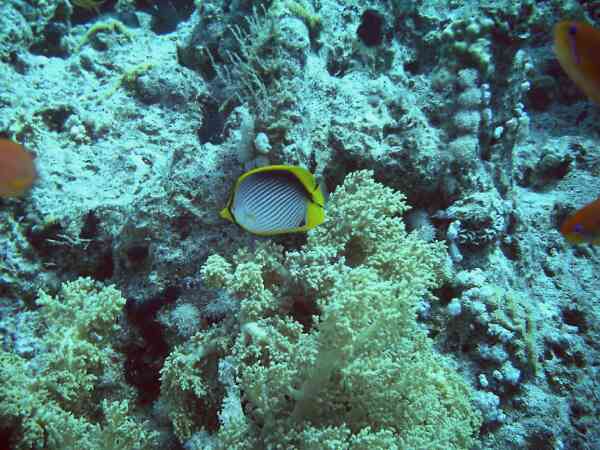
<point>275,200</point>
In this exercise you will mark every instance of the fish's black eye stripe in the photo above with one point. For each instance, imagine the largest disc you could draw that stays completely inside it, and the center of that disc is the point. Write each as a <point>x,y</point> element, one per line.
<point>312,196</point>
<point>232,215</point>
<point>229,208</point>
<point>312,200</point>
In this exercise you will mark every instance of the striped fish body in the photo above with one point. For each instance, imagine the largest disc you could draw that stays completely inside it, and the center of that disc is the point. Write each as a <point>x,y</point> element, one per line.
<point>275,200</point>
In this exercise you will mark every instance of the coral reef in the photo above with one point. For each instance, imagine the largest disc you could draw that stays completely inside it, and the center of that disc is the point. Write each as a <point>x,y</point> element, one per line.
<point>71,393</point>
<point>328,346</point>
<point>140,116</point>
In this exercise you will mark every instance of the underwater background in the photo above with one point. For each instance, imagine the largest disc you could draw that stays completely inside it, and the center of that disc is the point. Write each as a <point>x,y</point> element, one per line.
<point>438,306</point>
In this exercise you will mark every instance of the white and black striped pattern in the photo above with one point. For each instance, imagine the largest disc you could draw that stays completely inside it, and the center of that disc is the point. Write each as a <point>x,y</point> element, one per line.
<point>268,202</point>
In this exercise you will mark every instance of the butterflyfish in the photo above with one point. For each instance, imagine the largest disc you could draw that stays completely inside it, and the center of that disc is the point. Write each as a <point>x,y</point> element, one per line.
<point>584,225</point>
<point>276,199</point>
<point>17,169</point>
<point>577,46</point>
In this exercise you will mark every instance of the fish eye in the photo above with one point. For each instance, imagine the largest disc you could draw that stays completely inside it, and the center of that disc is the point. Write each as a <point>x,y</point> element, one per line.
<point>573,30</point>
<point>578,228</point>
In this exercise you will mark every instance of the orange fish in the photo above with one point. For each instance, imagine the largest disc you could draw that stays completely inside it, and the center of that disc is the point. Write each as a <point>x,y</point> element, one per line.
<point>577,47</point>
<point>17,170</point>
<point>584,225</point>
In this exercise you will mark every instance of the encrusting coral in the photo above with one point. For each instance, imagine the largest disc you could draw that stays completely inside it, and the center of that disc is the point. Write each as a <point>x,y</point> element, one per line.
<point>72,394</point>
<point>325,351</point>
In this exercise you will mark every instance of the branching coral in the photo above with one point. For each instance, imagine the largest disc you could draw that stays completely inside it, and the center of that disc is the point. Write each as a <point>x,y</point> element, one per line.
<point>189,382</point>
<point>328,352</point>
<point>256,64</point>
<point>72,395</point>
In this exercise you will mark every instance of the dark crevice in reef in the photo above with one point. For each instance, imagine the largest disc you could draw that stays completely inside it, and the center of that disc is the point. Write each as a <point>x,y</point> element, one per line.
<point>7,435</point>
<point>166,14</point>
<point>88,255</point>
<point>212,125</point>
<point>371,30</point>
<point>56,117</point>
<point>83,15</point>
<point>146,356</point>
<point>50,43</point>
